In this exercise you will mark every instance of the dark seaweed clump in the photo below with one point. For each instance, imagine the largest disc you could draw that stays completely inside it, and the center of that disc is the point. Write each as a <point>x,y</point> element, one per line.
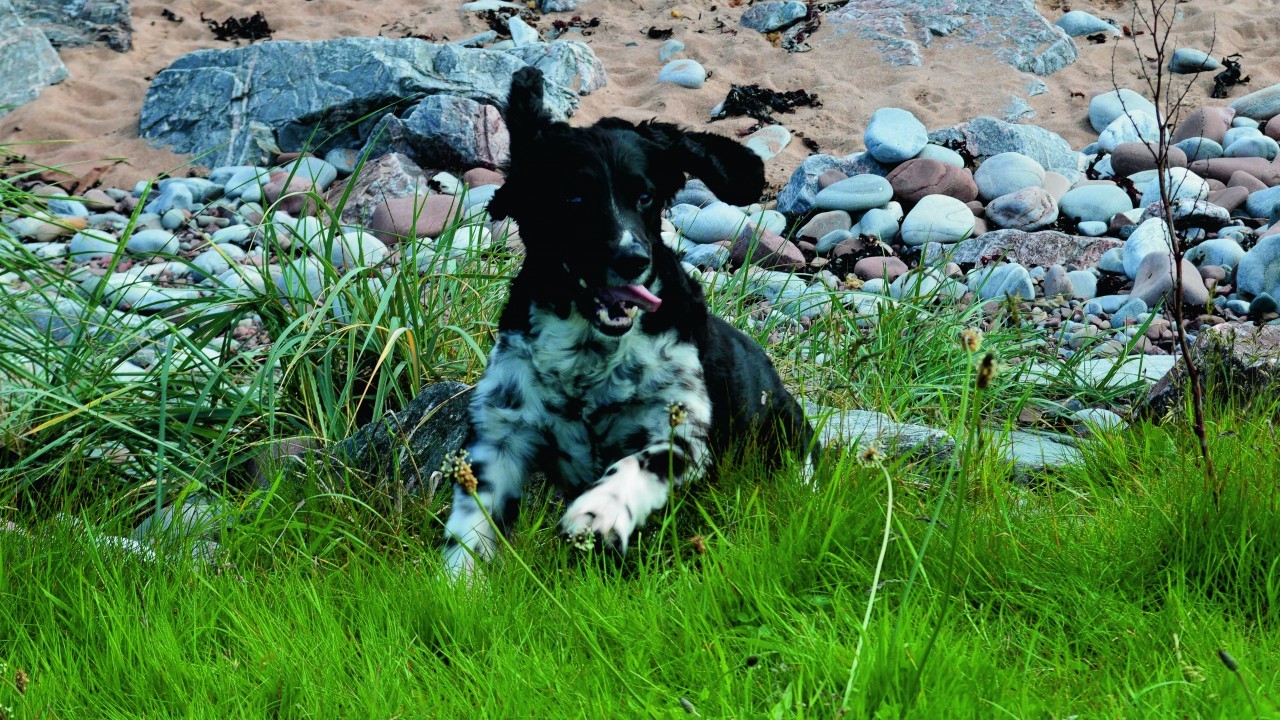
<point>1227,78</point>
<point>250,28</point>
<point>761,103</point>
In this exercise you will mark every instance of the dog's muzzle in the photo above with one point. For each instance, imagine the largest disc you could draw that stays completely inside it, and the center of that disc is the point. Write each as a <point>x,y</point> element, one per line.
<point>631,262</point>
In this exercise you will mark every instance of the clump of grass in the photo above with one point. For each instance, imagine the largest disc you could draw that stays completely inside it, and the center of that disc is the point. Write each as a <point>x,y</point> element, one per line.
<point>77,428</point>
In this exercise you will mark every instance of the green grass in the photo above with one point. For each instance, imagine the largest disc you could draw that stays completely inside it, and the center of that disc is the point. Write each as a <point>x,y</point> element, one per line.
<point>1108,595</point>
<point>1102,590</point>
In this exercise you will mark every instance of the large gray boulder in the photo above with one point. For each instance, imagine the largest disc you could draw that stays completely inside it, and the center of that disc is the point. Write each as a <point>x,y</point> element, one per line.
<point>75,23</point>
<point>1011,29</point>
<point>239,106</point>
<point>28,63</point>
<point>985,137</point>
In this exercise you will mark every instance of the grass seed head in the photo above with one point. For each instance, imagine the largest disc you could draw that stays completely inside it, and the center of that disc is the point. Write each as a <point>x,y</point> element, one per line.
<point>457,467</point>
<point>699,544</point>
<point>870,456</point>
<point>1228,661</point>
<point>971,339</point>
<point>583,541</point>
<point>20,681</point>
<point>677,413</point>
<point>986,371</point>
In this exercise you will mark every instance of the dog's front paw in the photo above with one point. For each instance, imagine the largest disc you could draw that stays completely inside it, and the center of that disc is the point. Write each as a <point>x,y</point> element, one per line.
<point>600,516</point>
<point>609,512</point>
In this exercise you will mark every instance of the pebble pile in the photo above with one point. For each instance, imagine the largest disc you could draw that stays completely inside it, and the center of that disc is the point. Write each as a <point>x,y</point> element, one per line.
<point>1085,250</point>
<point>989,211</point>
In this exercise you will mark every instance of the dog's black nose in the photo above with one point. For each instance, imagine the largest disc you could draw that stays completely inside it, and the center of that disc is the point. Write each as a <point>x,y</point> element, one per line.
<point>631,261</point>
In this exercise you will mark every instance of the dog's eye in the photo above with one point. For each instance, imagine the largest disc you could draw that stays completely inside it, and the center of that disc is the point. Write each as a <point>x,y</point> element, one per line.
<point>573,200</point>
<point>644,200</point>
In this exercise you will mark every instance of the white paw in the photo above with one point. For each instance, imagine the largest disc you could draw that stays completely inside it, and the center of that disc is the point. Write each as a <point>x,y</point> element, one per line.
<point>612,510</point>
<point>462,559</point>
<point>599,514</point>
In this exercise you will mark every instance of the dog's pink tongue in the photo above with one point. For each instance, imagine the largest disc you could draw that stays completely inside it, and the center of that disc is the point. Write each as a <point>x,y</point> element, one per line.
<point>637,295</point>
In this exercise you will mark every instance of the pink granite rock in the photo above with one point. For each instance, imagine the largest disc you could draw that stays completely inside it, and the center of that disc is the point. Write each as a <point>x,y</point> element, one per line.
<point>919,177</point>
<point>1132,157</point>
<point>1229,198</point>
<point>765,249</point>
<point>1210,122</point>
<point>1155,279</point>
<point>391,176</point>
<point>477,177</point>
<point>1243,179</point>
<point>396,219</point>
<point>890,268</point>
<point>1272,128</point>
<point>1222,168</point>
<point>824,223</point>
<point>290,194</point>
<point>831,177</point>
<point>1035,249</point>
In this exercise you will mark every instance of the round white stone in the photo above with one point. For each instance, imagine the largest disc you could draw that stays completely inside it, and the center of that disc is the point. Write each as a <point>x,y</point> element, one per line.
<point>937,218</point>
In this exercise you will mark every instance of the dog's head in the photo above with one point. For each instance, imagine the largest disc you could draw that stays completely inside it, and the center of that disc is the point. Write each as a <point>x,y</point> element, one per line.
<point>589,200</point>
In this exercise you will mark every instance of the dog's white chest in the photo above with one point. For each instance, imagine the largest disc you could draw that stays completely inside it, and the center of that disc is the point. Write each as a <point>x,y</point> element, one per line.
<point>570,358</point>
<point>590,398</point>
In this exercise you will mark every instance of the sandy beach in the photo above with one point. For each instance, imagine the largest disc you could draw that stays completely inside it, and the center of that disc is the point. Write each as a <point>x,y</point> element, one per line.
<point>90,120</point>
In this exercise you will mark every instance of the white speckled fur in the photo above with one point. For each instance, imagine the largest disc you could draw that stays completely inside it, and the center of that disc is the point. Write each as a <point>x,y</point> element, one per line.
<point>623,386</point>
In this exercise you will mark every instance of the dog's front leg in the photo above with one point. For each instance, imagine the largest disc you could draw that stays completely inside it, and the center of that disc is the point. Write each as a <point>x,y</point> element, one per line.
<point>505,436</point>
<point>639,484</point>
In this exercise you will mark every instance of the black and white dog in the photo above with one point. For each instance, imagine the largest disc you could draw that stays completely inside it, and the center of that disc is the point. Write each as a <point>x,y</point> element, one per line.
<point>609,373</point>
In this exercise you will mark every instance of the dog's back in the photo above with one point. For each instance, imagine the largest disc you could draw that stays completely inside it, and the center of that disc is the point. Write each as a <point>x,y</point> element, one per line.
<point>751,408</point>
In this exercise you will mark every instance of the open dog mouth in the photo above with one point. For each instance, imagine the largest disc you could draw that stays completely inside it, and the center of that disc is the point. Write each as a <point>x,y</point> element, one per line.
<point>616,308</point>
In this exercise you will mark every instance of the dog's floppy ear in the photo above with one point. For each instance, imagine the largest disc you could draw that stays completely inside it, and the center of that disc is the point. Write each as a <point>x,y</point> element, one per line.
<point>527,119</point>
<point>734,173</point>
<point>526,115</point>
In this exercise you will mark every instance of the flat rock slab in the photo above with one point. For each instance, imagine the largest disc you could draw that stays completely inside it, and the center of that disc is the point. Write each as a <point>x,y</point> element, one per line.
<point>1240,356</point>
<point>1033,249</point>
<point>76,23</point>
<point>1144,370</point>
<point>239,106</point>
<point>859,428</point>
<point>1031,452</point>
<point>28,63</point>
<point>1011,29</point>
